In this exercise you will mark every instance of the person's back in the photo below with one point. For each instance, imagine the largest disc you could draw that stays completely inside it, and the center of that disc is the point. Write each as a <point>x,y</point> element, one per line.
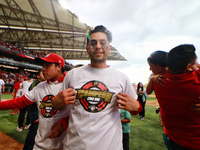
<point>181,90</point>
<point>181,124</point>
<point>26,84</point>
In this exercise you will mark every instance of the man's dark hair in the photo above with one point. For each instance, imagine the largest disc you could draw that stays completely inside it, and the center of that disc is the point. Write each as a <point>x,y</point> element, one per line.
<point>158,58</point>
<point>180,56</point>
<point>102,29</point>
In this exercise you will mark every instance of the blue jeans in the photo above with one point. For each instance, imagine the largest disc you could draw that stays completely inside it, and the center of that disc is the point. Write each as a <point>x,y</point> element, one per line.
<point>172,145</point>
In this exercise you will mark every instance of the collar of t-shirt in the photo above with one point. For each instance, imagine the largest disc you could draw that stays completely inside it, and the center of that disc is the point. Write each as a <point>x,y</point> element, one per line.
<point>56,81</point>
<point>90,65</point>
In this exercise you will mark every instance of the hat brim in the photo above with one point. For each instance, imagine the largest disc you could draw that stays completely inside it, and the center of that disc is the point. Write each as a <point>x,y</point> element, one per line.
<point>42,60</point>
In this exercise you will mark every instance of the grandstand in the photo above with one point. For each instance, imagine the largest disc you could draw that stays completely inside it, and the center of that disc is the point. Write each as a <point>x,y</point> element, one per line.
<point>32,28</point>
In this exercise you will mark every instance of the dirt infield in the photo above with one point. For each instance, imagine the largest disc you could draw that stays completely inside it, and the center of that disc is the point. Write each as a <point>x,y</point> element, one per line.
<point>152,103</point>
<point>8,143</point>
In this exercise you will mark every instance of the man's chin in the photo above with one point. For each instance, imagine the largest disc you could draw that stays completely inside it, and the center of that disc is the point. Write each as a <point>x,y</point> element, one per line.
<point>99,60</point>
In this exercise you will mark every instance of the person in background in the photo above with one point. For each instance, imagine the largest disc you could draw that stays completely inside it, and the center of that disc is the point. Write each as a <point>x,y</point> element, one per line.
<point>180,92</point>
<point>142,99</point>
<point>43,94</point>
<point>158,65</point>
<point>17,92</point>
<point>2,87</point>
<point>125,117</point>
<point>33,115</point>
<point>25,85</point>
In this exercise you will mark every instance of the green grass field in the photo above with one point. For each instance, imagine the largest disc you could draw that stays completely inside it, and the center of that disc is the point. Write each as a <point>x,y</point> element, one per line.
<point>145,135</point>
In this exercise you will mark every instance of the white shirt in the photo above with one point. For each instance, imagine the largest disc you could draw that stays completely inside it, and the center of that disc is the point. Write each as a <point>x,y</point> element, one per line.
<point>95,119</point>
<point>1,83</point>
<point>43,94</point>
<point>19,91</point>
<point>25,85</point>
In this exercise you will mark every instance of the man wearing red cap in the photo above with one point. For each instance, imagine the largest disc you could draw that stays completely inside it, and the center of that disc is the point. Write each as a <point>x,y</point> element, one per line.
<point>43,94</point>
<point>17,90</point>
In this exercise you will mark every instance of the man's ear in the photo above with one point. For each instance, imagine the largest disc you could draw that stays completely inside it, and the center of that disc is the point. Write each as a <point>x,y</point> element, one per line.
<point>59,67</point>
<point>189,67</point>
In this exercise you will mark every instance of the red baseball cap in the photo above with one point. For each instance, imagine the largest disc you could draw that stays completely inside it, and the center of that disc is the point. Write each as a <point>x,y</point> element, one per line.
<point>52,58</point>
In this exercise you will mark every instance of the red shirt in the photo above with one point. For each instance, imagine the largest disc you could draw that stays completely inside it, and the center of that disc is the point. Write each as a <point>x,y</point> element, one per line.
<point>16,87</point>
<point>181,124</point>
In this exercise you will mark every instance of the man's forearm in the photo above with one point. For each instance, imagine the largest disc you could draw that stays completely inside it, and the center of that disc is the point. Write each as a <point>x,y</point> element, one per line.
<point>138,111</point>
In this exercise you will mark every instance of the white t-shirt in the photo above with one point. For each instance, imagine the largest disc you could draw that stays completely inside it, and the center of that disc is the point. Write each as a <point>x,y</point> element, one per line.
<point>95,119</point>
<point>1,83</point>
<point>25,85</point>
<point>19,91</point>
<point>43,94</point>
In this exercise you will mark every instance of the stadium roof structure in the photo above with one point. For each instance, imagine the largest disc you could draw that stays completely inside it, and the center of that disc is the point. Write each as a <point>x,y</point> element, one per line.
<point>44,25</point>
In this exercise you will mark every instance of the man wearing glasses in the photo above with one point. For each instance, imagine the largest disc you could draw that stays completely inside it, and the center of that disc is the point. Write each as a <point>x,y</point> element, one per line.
<point>95,93</point>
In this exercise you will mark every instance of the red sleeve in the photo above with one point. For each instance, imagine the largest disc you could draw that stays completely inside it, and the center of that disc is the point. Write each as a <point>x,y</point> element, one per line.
<point>139,110</point>
<point>19,102</point>
<point>64,122</point>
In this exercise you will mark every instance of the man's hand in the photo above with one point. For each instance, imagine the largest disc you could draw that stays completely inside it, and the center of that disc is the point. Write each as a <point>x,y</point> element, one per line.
<point>127,102</point>
<point>56,130</point>
<point>64,98</point>
<point>158,79</point>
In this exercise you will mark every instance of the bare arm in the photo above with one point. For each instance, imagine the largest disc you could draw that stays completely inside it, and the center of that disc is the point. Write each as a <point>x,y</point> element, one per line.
<point>59,127</point>
<point>64,98</point>
<point>149,88</point>
<point>3,88</point>
<point>125,120</point>
<point>158,79</point>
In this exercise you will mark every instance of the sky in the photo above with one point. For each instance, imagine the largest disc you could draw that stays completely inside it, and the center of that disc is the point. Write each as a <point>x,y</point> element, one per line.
<point>140,27</point>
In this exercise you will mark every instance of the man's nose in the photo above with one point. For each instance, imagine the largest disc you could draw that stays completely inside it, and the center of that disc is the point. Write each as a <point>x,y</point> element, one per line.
<point>98,45</point>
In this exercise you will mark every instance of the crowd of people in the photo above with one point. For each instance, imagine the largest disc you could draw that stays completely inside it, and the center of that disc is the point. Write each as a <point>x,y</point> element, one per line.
<point>10,76</point>
<point>90,106</point>
<point>20,49</point>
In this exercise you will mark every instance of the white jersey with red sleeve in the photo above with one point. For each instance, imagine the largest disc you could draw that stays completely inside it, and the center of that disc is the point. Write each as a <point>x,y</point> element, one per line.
<point>94,121</point>
<point>43,95</point>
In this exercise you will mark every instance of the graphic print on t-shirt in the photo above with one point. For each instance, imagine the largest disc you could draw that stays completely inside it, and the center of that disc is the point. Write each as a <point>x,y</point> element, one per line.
<point>46,107</point>
<point>94,96</point>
